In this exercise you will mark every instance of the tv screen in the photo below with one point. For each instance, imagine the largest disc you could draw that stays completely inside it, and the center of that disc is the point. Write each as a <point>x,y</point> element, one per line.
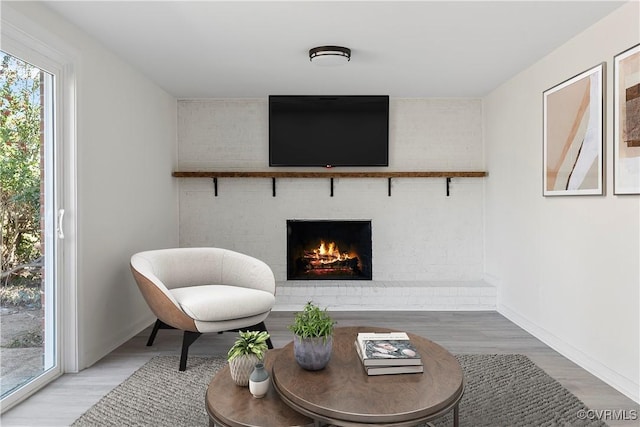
<point>328,130</point>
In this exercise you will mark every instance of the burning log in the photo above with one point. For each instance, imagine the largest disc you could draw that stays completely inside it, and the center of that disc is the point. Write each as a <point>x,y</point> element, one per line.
<point>327,259</point>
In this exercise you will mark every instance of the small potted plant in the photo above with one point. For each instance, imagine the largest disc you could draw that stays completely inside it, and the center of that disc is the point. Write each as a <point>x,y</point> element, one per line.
<point>313,337</point>
<point>248,350</point>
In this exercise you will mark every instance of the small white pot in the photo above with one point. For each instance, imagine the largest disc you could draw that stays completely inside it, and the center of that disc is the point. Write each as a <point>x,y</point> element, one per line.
<point>259,381</point>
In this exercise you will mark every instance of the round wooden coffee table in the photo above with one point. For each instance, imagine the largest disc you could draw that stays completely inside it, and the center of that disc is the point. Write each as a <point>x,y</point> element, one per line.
<point>230,405</point>
<point>344,395</point>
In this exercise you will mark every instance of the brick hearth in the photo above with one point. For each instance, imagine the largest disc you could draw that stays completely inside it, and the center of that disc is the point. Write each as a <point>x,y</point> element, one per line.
<point>381,295</point>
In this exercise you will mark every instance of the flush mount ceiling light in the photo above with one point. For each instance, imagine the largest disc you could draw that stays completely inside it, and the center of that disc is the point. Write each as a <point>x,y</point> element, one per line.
<point>330,55</point>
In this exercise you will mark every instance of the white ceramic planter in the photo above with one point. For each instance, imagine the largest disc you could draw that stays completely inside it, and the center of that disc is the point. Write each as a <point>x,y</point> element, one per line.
<point>241,368</point>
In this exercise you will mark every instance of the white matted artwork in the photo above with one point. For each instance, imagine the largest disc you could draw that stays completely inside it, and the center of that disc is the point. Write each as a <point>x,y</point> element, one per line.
<point>573,113</point>
<point>626,121</point>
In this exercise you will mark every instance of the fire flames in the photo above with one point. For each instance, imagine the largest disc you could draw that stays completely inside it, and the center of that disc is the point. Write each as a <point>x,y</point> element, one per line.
<point>330,253</point>
<point>329,257</point>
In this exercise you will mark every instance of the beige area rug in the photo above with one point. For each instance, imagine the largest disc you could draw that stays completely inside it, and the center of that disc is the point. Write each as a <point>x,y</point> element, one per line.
<point>501,390</point>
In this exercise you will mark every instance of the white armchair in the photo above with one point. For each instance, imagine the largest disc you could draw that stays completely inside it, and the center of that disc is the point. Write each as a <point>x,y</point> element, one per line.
<point>200,290</point>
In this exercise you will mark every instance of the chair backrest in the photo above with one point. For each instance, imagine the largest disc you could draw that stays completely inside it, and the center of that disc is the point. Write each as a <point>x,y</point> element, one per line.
<point>182,267</point>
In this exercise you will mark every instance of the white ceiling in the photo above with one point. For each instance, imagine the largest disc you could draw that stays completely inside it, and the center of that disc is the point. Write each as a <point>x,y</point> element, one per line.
<point>202,49</point>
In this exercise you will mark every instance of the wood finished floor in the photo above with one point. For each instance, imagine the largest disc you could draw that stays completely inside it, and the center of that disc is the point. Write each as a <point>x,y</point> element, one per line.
<point>64,400</point>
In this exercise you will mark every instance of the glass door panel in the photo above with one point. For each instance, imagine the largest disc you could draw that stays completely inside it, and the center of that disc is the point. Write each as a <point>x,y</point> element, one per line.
<point>29,212</point>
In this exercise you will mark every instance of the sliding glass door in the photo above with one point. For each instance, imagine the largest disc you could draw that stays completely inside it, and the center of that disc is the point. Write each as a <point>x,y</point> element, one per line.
<point>32,218</point>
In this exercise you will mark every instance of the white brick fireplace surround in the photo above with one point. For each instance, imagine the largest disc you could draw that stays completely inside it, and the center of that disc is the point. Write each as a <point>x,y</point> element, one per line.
<point>427,248</point>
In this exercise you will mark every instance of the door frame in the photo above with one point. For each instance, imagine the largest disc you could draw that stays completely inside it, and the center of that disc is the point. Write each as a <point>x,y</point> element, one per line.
<point>25,40</point>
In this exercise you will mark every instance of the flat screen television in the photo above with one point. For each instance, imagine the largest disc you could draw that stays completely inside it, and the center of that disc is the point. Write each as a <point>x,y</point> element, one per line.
<point>328,131</point>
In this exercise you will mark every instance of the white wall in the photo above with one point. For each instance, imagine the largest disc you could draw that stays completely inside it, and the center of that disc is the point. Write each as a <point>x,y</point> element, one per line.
<point>126,197</point>
<point>419,234</point>
<point>568,268</point>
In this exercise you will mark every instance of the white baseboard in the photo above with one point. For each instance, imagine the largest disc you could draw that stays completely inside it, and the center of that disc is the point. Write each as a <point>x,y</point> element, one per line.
<point>621,383</point>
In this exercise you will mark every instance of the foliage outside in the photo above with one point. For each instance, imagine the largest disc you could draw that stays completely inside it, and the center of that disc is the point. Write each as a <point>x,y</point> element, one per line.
<point>20,173</point>
<point>28,339</point>
<point>249,342</point>
<point>312,322</point>
<point>20,296</point>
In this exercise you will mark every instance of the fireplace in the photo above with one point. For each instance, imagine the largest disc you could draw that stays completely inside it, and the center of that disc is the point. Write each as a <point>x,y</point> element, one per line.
<point>328,250</point>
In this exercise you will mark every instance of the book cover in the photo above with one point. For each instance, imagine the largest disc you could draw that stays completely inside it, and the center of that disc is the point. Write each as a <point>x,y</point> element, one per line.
<point>387,349</point>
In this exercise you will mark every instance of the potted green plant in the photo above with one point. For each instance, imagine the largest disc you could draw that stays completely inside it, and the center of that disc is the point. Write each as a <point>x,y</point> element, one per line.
<point>313,337</point>
<point>248,350</point>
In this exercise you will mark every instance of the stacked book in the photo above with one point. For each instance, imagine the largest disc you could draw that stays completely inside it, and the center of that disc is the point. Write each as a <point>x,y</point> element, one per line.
<point>388,353</point>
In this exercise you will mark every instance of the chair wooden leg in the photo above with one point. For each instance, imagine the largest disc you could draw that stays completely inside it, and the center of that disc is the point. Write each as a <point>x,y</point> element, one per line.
<point>157,326</point>
<point>187,339</point>
<point>190,337</point>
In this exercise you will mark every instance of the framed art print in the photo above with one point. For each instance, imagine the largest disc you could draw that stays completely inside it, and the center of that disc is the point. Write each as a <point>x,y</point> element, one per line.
<point>626,122</point>
<point>573,117</point>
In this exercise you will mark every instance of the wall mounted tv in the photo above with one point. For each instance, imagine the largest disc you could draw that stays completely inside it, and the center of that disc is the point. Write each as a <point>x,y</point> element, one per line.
<point>328,131</point>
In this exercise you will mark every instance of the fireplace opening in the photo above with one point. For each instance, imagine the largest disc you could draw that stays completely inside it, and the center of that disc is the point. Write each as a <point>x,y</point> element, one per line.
<point>328,250</point>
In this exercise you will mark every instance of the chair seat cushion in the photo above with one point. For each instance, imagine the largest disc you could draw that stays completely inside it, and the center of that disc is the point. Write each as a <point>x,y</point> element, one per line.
<point>214,303</point>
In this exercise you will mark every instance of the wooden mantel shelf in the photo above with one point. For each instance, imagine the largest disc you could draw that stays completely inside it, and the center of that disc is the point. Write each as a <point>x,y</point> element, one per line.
<point>390,174</point>
<point>331,175</point>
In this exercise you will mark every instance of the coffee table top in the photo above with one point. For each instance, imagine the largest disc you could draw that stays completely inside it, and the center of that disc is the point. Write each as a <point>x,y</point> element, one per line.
<point>342,393</point>
<point>231,405</point>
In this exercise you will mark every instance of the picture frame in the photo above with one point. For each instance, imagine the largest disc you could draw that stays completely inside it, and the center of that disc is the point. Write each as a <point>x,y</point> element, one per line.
<point>573,140</point>
<point>626,121</point>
